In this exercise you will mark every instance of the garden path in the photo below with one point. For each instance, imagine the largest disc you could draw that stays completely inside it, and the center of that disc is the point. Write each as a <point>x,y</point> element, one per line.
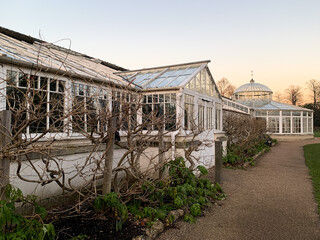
<point>272,200</point>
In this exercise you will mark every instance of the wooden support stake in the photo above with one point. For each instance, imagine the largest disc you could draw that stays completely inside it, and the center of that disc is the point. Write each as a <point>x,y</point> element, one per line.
<point>218,161</point>
<point>107,174</point>
<point>5,133</point>
<point>161,151</point>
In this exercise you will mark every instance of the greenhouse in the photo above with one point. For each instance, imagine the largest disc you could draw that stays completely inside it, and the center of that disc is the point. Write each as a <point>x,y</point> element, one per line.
<point>186,91</point>
<point>187,96</point>
<point>281,118</point>
<point>74,105</point>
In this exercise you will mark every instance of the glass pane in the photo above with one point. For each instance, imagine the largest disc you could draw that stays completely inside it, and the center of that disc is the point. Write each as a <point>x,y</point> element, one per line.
<point>190,70</point>
<point>156,82</point>
<point>34,81</point>
<point>167,97</point>
<point>168,73</point>
<point>61,86</point>
<point>11,77</point>
<point>166,82</point>
<point>178,81</point>
<point>53,85</point>
<point>23,80</point>
<point>43,83</point>
<point>273,113</point>
<point>286,113</point>
<point>161,98</point>
<point>81,89</point>
<point>286,125</point>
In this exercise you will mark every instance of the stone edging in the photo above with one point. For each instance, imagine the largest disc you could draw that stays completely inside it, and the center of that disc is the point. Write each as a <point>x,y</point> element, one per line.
<point>246,164</point>
<point>159,226</point>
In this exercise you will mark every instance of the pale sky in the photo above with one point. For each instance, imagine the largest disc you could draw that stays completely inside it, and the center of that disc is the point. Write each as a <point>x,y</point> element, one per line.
<point>278,39</point>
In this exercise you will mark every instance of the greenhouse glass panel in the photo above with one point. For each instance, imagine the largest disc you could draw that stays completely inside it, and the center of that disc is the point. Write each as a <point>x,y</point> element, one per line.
<point>178,81</point>
<point>188,112</point>
<point>273,124</point>
<point>168,73</point>
<point>286,124</point>
<point>296,125</point>
<point>273,113</point>
<point>305,125</point>
<point>156,82</point>
<point>190,70</point>
<point>261,113</point>
<point>181,72</point>
<point>198,83</point>
<point>296,113</point>
<point>309,124</point>
<point>165,82</point>
<point>286,113</point>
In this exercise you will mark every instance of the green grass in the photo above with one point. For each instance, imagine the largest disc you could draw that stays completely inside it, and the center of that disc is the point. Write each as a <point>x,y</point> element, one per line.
<point>317,134</point>
<point>312,156</point>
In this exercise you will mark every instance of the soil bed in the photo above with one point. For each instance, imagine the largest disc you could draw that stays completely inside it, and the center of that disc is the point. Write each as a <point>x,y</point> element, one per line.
<point>93,226</point>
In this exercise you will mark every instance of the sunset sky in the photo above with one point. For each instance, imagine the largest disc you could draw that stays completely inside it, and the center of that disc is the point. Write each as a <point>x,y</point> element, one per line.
<point>278,39</point>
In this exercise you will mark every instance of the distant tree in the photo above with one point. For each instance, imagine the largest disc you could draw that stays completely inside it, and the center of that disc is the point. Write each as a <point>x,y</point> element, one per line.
<point>294,94</point>
<point>226,89</point>
<point>278,96</point>
<point>314,86</point>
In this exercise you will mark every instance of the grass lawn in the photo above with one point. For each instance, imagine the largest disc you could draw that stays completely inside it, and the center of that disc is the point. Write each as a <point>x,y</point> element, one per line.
<point>317,134</point>
<point>312,156</point>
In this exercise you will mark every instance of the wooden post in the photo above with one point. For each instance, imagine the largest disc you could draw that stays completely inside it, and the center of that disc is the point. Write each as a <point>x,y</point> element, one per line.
<point>218,162</point>
<point>5,133</point>
<point>161,151</point>
<point>107,174</point>
<point>218,158</point>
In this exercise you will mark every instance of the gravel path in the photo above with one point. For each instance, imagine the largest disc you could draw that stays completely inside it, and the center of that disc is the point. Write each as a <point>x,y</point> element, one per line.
<point>272,200</point>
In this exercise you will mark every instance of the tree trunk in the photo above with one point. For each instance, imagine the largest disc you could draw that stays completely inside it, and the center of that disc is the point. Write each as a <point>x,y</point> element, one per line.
<point>107,174</point>
<point>161,152</point>
<point>5,133</point>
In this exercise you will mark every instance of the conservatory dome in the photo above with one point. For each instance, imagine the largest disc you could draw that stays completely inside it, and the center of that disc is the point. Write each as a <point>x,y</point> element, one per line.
<point>253,87</point>
<point>253,91</point>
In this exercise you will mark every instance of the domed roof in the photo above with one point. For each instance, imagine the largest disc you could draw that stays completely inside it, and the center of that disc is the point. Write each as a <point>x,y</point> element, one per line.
<point>252,87</point>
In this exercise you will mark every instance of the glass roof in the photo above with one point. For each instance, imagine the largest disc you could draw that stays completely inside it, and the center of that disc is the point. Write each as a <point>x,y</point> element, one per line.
<point>162,77</point>
<point>280,106</point>
<point>52,56</point>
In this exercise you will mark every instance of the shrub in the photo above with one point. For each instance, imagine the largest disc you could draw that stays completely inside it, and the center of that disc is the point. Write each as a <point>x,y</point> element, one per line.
<point>111,206</point>
<point>15,226</point>
<point>182,189</point>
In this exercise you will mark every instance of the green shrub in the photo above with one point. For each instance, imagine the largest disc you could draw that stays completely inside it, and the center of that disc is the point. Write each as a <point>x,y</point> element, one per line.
<point>189,218</point>
<point>111,205</point>
<point>182,189</point>
<point>195,210</point>
<point>15,226</point>
<point>237,155</point>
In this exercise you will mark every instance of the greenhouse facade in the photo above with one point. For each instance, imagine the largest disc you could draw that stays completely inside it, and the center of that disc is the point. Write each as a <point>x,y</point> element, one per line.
<point>281,118</point>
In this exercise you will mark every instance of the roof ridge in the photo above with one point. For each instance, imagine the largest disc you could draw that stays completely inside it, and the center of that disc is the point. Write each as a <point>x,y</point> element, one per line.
<point>167,66</point>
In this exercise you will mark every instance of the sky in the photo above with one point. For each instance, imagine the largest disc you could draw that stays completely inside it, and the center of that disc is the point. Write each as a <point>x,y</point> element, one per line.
<point>279,40</point>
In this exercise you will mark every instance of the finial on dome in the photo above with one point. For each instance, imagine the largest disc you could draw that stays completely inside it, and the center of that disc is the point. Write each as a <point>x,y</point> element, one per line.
<point>251,81</point>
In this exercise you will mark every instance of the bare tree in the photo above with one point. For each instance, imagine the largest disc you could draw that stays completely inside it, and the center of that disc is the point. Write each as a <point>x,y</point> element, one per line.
<point>39,109</point>
<point>278,96</point>
<point>226,89</point>
<point>294,94</point>
<point>314,86</point>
